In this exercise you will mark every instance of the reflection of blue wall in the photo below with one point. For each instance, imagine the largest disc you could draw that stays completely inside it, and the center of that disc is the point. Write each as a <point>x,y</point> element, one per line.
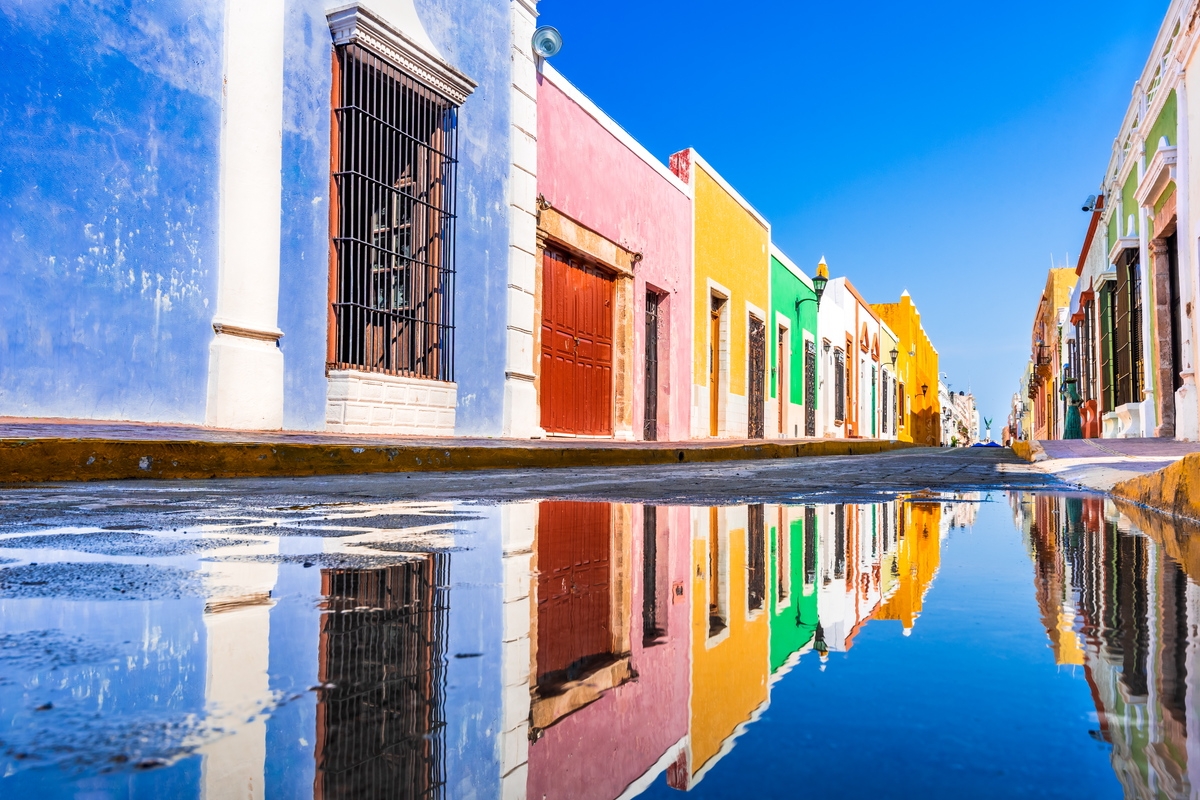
<point>108,207</point>
<point>473,683</point>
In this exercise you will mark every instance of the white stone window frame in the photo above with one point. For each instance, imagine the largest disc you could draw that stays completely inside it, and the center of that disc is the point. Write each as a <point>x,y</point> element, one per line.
<point>363,401</point>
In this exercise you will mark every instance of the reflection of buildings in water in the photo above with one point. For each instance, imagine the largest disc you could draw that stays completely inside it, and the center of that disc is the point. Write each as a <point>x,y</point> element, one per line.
<point>857,543</point>
<point>380,706</point>
<point>609,665</point>
<point>730,635</point>
<point>792,589</point>
<point>1136,614</point>
<point>237,692</point>
<point>916,561</point>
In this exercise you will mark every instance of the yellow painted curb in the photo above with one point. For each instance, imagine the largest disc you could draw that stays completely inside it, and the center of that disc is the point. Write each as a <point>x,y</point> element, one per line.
<point>1023,450</point>
<point>42,460</point>
<point>1174,489</point>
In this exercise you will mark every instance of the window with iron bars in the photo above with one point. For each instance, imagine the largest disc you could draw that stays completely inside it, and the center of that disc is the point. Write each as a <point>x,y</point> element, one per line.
<point>839,385</point>
<point>394,162</point>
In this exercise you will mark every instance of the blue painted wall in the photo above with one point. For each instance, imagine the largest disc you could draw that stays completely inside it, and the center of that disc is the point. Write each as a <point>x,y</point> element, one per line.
<point>473,36</point>
<point>108,207</point>
<point>109,200</point>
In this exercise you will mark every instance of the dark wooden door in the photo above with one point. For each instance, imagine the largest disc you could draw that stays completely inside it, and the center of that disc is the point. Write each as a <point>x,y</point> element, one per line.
<point>758,377</point>
<point>650,426</point>
<point>810,388</point>
<point>574,628</point>
<point>781,379</point>
<point>714,367</point>
<point>577,345</point>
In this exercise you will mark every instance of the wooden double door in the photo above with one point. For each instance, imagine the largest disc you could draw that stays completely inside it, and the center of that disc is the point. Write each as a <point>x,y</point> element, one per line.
<point>576,392</point>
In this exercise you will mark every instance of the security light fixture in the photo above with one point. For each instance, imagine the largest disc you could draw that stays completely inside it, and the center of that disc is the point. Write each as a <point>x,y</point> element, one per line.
<point>547,41</point>
<point>1090,203</point>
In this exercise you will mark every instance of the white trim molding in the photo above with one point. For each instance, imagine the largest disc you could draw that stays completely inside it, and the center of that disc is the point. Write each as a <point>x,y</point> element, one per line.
<point>1121,244</point>
<point>1159,173</point>
<point>358,24</point>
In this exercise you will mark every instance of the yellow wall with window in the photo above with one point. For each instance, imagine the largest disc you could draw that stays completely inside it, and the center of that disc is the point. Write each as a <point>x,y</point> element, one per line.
<point>731,249</point>
<point>916,366</point>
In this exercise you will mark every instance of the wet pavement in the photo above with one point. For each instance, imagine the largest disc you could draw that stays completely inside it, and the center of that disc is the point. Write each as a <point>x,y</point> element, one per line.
<point>926,623</point>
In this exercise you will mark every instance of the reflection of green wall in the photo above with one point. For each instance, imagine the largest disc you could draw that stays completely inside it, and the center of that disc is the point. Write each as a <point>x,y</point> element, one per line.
<point>786,636</point>
<point>786,289</point>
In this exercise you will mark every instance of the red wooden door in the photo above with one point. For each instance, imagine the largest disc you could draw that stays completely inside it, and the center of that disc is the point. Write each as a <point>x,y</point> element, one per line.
<point>574,617</point>
<point>577,345</point>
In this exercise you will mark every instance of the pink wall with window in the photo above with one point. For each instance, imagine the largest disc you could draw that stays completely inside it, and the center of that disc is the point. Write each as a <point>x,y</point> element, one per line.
<point>590,171</point>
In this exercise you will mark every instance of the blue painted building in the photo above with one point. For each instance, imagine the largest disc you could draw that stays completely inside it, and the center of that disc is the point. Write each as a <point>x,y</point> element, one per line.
<point>168,249</point>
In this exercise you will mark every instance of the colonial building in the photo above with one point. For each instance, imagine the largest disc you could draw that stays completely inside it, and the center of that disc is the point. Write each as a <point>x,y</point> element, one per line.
<point>792,407</point>
<point>731,293</point>
<point>849,395</point>
<point>1046,392</point>
<point>918,413</point>
<point>613,306</point>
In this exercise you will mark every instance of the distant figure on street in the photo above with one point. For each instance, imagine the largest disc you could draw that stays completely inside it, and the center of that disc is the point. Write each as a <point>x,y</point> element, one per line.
<point>1073,429</point>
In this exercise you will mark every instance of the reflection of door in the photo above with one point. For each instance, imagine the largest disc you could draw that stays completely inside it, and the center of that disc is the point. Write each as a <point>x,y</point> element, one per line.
<point>758,378</point>
<point>781,375</point>
<point>577,344</point>
<point>810,387</point>
<point>714,366</point>
<point>650,426</point>
<point>574,622</point>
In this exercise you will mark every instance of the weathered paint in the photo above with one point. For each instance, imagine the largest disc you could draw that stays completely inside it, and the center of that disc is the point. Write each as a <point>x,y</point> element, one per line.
<point>588,171</point>
<point>599,750</point>
<point>111,275</point>
<point>916,366</point>
<point>108,185</point>
<point>730,252</point>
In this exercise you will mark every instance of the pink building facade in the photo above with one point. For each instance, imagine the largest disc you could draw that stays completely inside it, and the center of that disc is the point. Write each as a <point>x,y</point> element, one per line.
<point>614,239</point>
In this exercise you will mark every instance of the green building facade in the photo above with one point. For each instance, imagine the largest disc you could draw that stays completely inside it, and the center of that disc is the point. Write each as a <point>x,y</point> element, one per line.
<point>793,589</point>
<point>793,351</point>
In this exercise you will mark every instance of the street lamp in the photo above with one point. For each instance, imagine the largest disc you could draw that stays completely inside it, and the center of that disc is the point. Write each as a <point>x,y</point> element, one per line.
<point>924,389</point>
<point>895,354</point>
<point>819,283</point>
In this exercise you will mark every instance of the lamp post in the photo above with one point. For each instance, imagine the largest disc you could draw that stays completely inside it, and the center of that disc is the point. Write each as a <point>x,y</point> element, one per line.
<point>895,354</point>
<point>819,283</point>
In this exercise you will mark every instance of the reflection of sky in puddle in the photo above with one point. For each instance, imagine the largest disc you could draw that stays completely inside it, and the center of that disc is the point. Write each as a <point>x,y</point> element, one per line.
<point>593,650</point>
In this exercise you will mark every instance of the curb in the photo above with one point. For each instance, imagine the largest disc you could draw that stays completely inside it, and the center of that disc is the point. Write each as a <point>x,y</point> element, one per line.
<point>1173,490</point>
<point>53,460</point>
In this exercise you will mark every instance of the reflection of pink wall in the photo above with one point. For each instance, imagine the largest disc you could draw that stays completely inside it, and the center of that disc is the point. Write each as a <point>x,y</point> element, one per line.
<point>600,750</point>
<point>589,175</point>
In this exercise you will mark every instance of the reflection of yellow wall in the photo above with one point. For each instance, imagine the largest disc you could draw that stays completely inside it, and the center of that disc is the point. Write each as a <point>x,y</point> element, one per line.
<point>731,249</point>
<point>918,556</point>
<point>922,421</point>
<point>729,671</point>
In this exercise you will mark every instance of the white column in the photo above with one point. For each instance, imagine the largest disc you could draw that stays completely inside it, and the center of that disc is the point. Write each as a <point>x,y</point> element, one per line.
<point>1149,415</point>
<point>245,367</point>
<point>1187,399</point>
<point>518,532</point>
<point>522,418</point>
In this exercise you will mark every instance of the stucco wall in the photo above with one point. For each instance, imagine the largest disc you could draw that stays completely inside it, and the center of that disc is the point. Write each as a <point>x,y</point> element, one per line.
<point>108,208</point>
<point>473,36</point>
<point>786,290</point>
<point>731,249</point>
<point>591,176</point>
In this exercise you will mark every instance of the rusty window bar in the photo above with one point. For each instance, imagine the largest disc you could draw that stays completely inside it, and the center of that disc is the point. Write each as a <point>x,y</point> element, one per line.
<point>395,179</point>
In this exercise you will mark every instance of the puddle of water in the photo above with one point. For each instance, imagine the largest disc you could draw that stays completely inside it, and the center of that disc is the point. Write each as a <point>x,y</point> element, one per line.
<point>974,645</point>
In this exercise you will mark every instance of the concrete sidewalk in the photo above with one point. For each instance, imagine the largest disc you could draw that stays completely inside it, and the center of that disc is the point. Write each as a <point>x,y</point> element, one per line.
<point>34,450</point>
<point>1102,463</point>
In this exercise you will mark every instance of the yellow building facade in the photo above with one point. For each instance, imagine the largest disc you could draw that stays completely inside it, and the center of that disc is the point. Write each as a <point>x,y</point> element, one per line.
<point>731,254</point>
<point>918,557</point>
<point>919,417</point>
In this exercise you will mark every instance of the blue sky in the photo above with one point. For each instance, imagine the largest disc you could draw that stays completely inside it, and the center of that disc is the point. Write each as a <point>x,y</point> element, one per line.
<point>939,147</point>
